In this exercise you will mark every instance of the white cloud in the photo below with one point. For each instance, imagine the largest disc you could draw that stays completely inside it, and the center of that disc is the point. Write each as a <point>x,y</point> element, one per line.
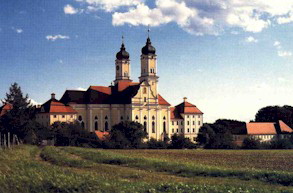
<point>198,17</point>
<point>55,37</point>
<point>81,89</point>
<point>251,39</point>
<point>33,102</point>
<point>109,5</point>
<point>68,9</point>
<point>19,31</point>
<point>281,52</point>
<point>284,54</point>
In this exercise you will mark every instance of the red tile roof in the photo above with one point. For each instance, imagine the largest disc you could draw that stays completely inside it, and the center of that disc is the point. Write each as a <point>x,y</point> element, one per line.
<point>284,127</point>
<point>122,85</point>
<point>5,108</point>
<point>103,89</point>
<point>102,135</point>
<point>261,128</point>
<point>55,106</point>
<point>162,101</point>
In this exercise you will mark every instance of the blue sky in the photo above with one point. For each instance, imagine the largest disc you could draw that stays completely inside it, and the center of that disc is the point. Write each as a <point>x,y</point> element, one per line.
<point>228,57</point>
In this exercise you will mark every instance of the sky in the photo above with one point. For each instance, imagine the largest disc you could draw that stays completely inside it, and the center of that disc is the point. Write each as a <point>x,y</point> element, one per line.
<point>228,57</point>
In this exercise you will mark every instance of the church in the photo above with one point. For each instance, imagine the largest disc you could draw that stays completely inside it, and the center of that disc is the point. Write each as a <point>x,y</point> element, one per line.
<point>100,107</point>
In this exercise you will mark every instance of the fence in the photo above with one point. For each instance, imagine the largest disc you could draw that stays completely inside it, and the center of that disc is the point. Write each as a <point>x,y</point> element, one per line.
<point>7,140</point>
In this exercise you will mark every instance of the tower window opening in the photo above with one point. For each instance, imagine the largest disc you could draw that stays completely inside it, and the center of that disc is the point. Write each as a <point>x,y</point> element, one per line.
<point>153,127</point>
<point>106,126</point>
<point>164,118</point>
<point>106,117</point>
<point>144,90</point>
<point>164,127</point>
<point>145,99</point>
<point>145,126</point>
<point>117,67</point>
<point>145,117</point>
<point>96,125</point>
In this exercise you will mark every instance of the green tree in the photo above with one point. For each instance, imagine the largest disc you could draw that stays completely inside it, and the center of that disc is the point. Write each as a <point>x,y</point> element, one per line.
<point>251,143</point>
<point>180,142</point>
<point>18,120</point>
<point>127,135</point>
<point>275,113</point>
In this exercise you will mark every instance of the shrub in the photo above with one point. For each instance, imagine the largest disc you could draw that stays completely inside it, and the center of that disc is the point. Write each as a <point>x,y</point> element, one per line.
<point>251,143</point>
<point>180,142</point>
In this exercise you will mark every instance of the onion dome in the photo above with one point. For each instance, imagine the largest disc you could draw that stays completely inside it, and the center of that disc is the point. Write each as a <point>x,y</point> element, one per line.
<point>148,49</point>
<point>122,54</point>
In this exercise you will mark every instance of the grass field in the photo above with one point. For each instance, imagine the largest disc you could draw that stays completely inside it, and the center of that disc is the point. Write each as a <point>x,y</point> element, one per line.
<point>71,169</point>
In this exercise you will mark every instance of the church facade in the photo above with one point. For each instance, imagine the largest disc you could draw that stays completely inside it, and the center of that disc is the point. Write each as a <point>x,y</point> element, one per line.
<point>100,107</point>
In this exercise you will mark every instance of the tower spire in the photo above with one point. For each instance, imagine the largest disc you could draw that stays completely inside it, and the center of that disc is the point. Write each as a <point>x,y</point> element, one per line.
<point>149,31</point>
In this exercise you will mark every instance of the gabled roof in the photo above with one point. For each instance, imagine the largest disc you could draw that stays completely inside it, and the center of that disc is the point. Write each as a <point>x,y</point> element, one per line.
<point>103,89</point>
<point>162,101</point>
<point>284,127</point>
<point>102,135</point>
<point>5,108</point>
<point>261,128</point>
<point>55,106</point>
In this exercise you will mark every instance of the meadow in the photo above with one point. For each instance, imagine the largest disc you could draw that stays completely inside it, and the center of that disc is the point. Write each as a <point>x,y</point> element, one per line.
<point>72,169</point>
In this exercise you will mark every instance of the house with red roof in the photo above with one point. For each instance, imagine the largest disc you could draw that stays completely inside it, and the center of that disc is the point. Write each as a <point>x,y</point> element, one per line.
<point>100,107</point>
<point>264,131</point>
<point>5,108</point>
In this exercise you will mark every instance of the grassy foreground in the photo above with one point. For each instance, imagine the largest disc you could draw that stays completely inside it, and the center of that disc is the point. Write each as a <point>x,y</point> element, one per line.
<point>71,169</point>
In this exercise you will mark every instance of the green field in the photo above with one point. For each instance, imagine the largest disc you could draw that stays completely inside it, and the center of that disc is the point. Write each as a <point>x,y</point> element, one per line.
<point>71,169</point>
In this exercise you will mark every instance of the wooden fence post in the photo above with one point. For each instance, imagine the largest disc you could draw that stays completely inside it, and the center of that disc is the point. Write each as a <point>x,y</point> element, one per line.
<point>8,140</point>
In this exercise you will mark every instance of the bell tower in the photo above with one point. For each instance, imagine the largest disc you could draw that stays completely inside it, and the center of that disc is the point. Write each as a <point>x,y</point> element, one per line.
<point>122,64</point>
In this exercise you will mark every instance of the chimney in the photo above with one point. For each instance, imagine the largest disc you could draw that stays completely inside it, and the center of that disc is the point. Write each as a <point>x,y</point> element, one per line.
<point>53,96</point>
<point>185,99</point>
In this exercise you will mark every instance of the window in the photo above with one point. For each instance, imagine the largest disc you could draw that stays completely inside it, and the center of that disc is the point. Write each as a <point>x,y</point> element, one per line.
<point>71,116</point>
<point>198,122</point>
<point>153,127</point>
<point>181,130</point>
<point>80,118</point>
<point>96,117</point>
<point>172,130</point>
<point>164,118</point>
<point>164,127</point>
<point>187,122</point>
<point>177,130</point>
<point>106,117</point>
<point>193,116</point>
<point>187,116</point>
<point>121,118</point>
<point>55,116</point>
<point>63,116</point>
<point>198,116</point>
<point>106,126</point>
<point>145,99</point>
<point>145,117</point>
<point>181,122</point>
<point>145,126</point>
<point>193,122</point>
<point>144,90</point>
<point>193,130</point>
<point>177,123</point>
<point>153,117</point>
<point>136,117</point>
<point>188,130</point>
<point>96,125</point>
<point>194,138</point>
<point>117,67</point>
<point>172,122</point>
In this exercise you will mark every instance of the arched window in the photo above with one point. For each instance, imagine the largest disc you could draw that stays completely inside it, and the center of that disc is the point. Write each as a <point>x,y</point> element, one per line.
<point>153,117</point>
<point>106,126</point>
<point>164,118</point>
<point>145,99</point>
<point>80,118</point>
<point>153,127</point>
<point>144,90</point>
<point>145,117</point>
<point>145,126</point>
<point>96,125</point>
<point>121,118</point>
<point>164,127</point>
<point>106,117</point>
<point>96,117</point>
<point>136,117</point>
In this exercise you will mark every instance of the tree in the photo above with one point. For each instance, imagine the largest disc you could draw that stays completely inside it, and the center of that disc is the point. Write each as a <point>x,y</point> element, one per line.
<point>251,143</point>
<point>180,142</point>
<point>127,135</point>
<point>215,136</point>
<point>16,121</point>
<point>275,113</point>
<point>154,144</point>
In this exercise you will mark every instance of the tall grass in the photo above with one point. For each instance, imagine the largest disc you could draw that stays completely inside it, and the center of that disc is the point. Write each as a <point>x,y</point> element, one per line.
<point>186,170</point>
